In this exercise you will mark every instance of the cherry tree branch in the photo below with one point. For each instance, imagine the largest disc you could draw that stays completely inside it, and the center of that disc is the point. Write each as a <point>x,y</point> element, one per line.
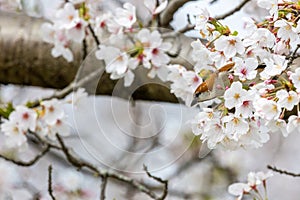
<point>50,190</point>
<point>79,163</point>
<point>164,182</point>
<point>103,187</point>
<point>167,15</point>
<point>28,163</point>
<point>280,171</point>
<point>236,9</point>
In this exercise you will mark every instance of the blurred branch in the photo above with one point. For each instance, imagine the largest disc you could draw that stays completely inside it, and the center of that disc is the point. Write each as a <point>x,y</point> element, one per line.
<point>236,9</point>
<point>280,171</point>
<point>79,163</point>
<point>293,56</point>
<point>167,15</point>
<point>187,28</point>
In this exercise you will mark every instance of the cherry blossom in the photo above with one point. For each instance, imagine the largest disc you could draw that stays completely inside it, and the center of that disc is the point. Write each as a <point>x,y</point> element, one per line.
<point>253,181</point>
<point>230,45</point>
<point>261,37</point>
<point>275,66</point>
<point>15,135</point>
<point>235,95</point>
<point>59,127</point>
<point>293,124</point>
<point>271,5</point>
<point>184,82</point>
<point>235,126</point>
<point>66,17</point>
<point>154,48</point>
<point>154,8</point>
<point>295,77</point>
<point>268,109</point>
<point>287,99</point>
<point>53,111</point>
<point>278,125</point>
<point>116,61</point>
<point>126,16</point>
<point>201,55</point>
<point>202,18</point>
<point>245,69</point>
<point>24,117</point>
<point>286,30</point>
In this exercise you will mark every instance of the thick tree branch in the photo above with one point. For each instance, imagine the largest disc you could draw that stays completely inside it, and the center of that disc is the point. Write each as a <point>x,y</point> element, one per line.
<point>28,61</point>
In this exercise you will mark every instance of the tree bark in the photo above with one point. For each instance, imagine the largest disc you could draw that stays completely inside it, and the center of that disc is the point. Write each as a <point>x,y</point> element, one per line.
<point>27,60</point>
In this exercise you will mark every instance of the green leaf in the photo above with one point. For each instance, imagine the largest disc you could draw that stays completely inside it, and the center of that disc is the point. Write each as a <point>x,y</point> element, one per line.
<point>5,111</point>
<point>235,33</point>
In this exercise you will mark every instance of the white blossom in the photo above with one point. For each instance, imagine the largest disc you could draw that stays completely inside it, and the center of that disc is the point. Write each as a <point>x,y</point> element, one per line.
<point>53,111</point>
<point>245,69</point>
<point>295,77</point>
<point>287,99</point>
<point>126,16</point>
<point>230,45</point>
<point>235,95</point>
<point>154,8</point>
<point>235,126</point>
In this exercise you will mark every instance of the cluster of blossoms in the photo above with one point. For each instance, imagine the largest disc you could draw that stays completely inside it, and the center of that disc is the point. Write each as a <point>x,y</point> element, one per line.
<point>68,25</point>
<point>263,85</point>
<point>255,90</point>
<point>251,188</point>
<point>46,121</point>
<point>125,44</point>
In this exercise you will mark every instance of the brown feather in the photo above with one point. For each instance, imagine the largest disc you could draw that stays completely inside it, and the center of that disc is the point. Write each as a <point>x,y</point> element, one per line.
<point>227,67</point>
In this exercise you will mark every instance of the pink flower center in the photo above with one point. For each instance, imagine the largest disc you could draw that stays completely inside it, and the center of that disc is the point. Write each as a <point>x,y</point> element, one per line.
<point>102,24</point>
<point>78,26</point>
<point>196,79</point>
<point>155,51</point>
<point>51,109</point>
<point>246,103</point>
<point>244,71</point>
<point>232,42</point>
<point>25,116</point>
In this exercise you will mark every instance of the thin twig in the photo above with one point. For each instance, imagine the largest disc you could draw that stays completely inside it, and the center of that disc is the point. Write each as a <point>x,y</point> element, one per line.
<point>28,163</point>
<point>167,15</point>
<point>293,56</point>
<point>160,180</point>
<point>103,187</point>
<point>84,49</point>
<point>236,9</point>
<point>77,162</point>
<point>94,35</point>
<point>187,28</point>
<point>280,171</point>
<point>50,191</point>
<point>73,85</point>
